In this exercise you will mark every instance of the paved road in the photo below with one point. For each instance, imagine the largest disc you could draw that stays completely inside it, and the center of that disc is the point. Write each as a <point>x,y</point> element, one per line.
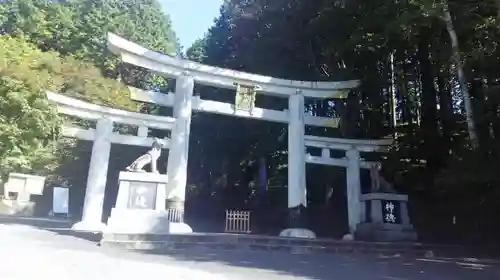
<point>27,252</point>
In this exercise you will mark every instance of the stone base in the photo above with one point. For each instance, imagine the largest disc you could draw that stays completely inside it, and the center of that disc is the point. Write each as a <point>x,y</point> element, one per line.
<point>186,243</point>
<point>143,221</point>
<point>348,237</point>
<point>297,232</point>
<point>17,208</point>
<point>385,232</point>
<point>89,226</point>
<point>141,191</point>
<point>297,217</point>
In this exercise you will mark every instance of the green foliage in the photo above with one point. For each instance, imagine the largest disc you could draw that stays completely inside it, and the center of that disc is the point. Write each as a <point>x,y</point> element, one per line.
<point>60,46</point>
<point>29,126</point>
<point>80,27</point>
<point>197,51</point>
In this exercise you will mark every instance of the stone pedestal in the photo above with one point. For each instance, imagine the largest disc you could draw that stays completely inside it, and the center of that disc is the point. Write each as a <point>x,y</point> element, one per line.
<point>298,233</point>
<point>17,194</point>
<point>23,186</point>
<point>140,207</point>
<point>297,223</point>
<point>385,218</point>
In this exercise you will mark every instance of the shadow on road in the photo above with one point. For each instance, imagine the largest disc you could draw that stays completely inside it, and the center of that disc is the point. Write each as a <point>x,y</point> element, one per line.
<point>303,266</point>
<point>342,266</point>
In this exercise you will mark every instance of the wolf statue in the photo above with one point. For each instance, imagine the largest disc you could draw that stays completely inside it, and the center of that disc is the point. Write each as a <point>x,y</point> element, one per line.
<point>151,157</point>
<point>378,183</point>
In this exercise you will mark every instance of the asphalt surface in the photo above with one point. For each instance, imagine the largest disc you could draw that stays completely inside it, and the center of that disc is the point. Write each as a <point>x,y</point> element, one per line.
<point>28,251</point>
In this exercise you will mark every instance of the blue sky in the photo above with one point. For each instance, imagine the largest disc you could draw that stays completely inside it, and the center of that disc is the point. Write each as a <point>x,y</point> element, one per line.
<point>191,18</point>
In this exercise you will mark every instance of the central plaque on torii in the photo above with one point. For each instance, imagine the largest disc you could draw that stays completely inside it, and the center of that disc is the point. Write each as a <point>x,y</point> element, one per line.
<point>245,98</point>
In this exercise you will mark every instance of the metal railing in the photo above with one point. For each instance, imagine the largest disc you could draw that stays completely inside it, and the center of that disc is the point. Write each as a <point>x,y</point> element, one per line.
<point>237,221</point>
<point>175,215</point>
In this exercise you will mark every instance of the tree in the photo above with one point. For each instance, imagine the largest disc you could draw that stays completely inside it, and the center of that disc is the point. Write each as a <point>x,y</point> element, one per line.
<point>29,128</point>
<point>197,51</point>
<point>434,61</point>
<point>462,80</point>
<point>69,54</point>
<point>79,28</point>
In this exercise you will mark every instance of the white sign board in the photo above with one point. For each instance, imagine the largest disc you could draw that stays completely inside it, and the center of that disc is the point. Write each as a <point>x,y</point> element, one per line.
<point>60,201</point>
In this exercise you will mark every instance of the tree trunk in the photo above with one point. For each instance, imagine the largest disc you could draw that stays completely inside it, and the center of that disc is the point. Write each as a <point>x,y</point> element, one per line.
<point>352,114</point>
<point>393,100</point>
<point>406,103</point>
<point>376,100</point>
<point>493,94</point>
<point>477,96</point>
<point>428,99</point>
<point>497,2</point>
<point>461,75</point>
<point>445,109</point>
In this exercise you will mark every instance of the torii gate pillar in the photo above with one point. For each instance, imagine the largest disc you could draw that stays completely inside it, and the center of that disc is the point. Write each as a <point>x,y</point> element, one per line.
<point>179,149</point>
<point>96,181</point>
<point>297,192</point>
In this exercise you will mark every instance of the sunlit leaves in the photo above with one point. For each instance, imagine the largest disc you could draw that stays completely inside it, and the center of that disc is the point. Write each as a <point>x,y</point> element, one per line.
<point>29,126</point>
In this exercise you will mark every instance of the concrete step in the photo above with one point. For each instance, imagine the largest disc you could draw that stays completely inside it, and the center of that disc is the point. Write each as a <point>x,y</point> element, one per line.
<point>166,243</point>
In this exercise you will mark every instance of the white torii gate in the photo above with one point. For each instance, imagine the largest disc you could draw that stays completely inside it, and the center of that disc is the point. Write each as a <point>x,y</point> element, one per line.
<point>103,136</point>
<point>188,72</point>
<point>352,162</point>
